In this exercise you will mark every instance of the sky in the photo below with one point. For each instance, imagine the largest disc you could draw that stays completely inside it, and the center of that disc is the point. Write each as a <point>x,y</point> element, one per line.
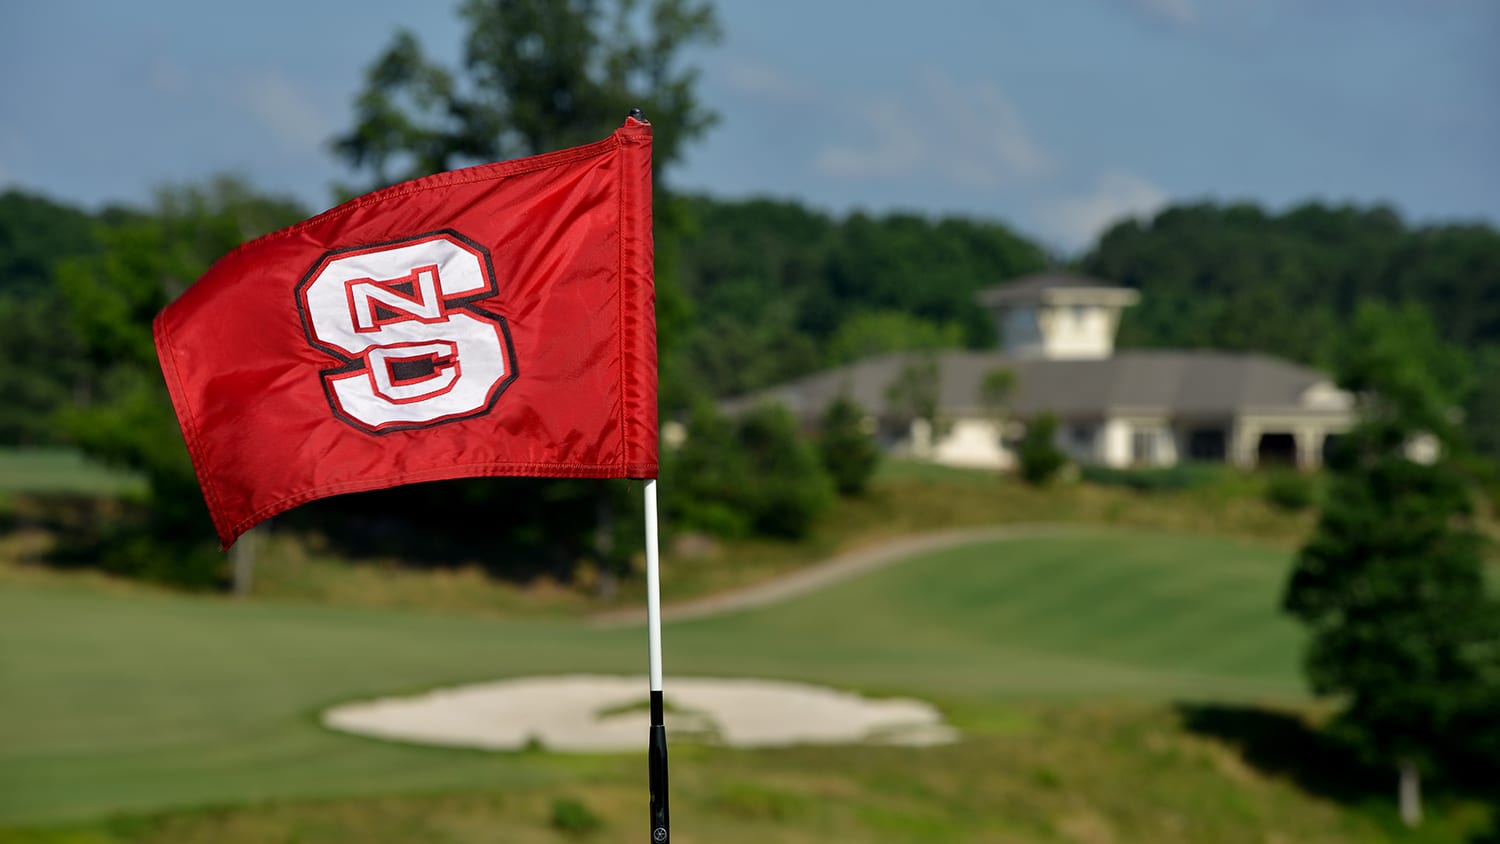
<point>1056,118</point>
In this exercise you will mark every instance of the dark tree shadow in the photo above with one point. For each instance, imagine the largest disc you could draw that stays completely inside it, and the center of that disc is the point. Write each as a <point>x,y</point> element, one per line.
<point>515,528</point>
<point>1283,744</point>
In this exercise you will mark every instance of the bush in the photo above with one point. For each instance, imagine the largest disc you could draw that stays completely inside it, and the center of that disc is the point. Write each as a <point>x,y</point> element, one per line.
<point>1040,457</point>
<point>1165,479</point>
<point>573,817</point>
<point>1291,491</point>
<point>848,452</point>
<point>755,475</point>
<point>786,489</point>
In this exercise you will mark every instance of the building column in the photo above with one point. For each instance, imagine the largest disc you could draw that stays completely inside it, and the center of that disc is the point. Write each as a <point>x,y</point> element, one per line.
<point>1244,438</point>
<point>1309,447</point>
<point>921,438</point>
<point>1113,447</point>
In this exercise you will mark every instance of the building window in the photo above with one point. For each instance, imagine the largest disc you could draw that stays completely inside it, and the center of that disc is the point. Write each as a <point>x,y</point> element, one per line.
<point>1081,440</point>
<point>1207,444</point>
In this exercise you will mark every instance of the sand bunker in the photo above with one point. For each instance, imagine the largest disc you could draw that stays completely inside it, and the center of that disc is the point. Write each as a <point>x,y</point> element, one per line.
<point>586,714</point>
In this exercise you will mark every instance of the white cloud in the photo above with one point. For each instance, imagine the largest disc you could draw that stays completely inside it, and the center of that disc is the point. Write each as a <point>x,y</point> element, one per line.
<point>991,143</point>
<point>972,137</point>
<point>1175,12</point>
<point>290,116</point>
<point>896,147</point>
<point>765,83</point>
<point>1074,222</point>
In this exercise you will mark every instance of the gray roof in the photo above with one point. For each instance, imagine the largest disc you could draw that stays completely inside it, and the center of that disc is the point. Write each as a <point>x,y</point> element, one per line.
<point>1187,384</point>
<point>1037,287</point>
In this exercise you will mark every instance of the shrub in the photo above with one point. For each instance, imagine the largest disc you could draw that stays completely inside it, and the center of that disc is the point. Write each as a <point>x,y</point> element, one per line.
<point>1291,491</point>
<point>753,475</point>
<point>786,489</point>
<point>1164,479</point>
<point>573,817</point>
<point>1040,457</point>
<point>848,452</point>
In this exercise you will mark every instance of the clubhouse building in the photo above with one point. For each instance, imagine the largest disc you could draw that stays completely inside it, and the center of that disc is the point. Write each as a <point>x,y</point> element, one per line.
<point>1135,408</point>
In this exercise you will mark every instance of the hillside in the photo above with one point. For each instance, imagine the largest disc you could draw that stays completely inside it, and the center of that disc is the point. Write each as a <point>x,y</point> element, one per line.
<point>1119,686</point>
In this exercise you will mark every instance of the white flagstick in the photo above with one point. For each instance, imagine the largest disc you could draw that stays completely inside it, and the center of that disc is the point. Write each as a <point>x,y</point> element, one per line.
<point>657,749</point>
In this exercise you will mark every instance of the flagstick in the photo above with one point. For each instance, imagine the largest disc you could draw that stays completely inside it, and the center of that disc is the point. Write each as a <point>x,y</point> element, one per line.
<point>657,750</point>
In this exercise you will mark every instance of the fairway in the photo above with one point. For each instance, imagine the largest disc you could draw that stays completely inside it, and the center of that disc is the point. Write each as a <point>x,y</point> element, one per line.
<point>37,471</point>
<point>1086,615</point>
<point>146,702</point>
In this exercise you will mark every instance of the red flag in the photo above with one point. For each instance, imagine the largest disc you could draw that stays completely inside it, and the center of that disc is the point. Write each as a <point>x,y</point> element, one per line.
<point>497,320</point>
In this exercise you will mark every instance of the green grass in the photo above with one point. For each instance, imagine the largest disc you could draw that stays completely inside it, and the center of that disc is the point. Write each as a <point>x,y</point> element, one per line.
<point>151,701</point>
<point>41,471</point>
<point>149,717</point>
<point>910,497</point>
<point>907,498</point>
<point>1079,774</point>
<point>1114,614</point>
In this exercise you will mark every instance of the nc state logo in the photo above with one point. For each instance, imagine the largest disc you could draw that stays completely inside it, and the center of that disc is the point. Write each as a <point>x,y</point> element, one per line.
<point>414,352</point>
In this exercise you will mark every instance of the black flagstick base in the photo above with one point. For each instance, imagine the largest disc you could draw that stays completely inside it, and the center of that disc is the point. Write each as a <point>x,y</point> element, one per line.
<point>657,759</point>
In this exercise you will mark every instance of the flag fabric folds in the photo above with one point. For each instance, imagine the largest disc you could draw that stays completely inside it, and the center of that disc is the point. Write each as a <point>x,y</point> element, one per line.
<point>496,320</point>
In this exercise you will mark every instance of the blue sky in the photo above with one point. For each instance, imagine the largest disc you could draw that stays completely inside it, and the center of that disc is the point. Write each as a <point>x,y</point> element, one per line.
<point>1055,117</point>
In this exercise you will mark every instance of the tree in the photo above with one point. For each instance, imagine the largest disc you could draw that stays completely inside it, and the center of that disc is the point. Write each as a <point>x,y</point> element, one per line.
<point>43,367</point>
<point>1038,453</point>
<point>1391,582</point>
<point>536,76</point>
<point>1482,413</point>
<point>913,394</point>
<point>780,290</point>
<point>870,333</point>
<point>996,389</point>
<point>751,475</point>
<point>145,261</point>
<point>705,474</point>
<point>787,489</point>
<point>847,450</point>
<point>35,233</point>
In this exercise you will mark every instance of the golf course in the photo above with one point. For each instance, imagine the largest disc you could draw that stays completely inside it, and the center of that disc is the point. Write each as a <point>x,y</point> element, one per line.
<point>1074,667</point>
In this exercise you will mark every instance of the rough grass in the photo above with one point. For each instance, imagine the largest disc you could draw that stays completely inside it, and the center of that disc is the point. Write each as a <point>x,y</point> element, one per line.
<point>1086,773</point>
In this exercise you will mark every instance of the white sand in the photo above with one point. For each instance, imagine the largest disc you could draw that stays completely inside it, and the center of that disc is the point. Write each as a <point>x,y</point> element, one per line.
<point>587,713</point>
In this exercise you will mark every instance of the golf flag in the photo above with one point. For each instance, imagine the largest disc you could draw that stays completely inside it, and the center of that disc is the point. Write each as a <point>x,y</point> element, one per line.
<point>496,320</point>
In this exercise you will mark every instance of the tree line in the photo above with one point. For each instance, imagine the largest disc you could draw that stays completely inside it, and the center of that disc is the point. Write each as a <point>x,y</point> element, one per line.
<point>757,291</point>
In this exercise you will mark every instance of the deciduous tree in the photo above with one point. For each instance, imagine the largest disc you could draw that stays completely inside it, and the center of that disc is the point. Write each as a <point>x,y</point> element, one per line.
<point>1391,583</point>
<point>146,260</point>
<point>536,76</point>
